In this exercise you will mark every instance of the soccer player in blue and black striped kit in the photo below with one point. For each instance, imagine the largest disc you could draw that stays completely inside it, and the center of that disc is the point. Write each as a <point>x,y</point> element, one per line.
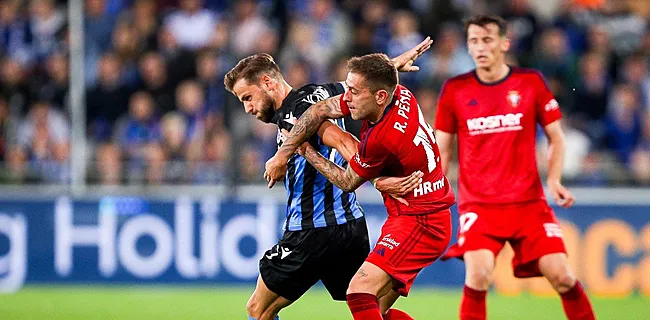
<point>325,236</point>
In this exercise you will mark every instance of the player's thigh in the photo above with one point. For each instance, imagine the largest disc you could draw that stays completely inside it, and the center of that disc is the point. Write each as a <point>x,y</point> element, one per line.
<point>541,235</point>
<point>348,250</point>
<point>288,267</point>
<point>410,243</point>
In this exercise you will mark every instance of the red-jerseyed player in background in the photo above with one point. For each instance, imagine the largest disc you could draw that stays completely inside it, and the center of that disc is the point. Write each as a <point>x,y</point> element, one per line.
<point>495,110</point>
<point>395,141</point>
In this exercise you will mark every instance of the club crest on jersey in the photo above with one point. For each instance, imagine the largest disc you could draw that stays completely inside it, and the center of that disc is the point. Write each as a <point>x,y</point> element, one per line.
<point>514,98</point>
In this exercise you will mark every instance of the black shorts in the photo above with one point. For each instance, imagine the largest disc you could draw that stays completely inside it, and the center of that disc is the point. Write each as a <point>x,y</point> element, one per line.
<point>301,258</point>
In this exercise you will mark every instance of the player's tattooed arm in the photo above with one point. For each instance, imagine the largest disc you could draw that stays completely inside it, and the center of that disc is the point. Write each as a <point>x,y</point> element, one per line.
<point>309,123</point>
<point>346,179</point>
<point>305,127</point>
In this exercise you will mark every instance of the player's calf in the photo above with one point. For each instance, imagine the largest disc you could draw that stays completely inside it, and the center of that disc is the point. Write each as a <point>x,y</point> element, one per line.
<point>574,299</point>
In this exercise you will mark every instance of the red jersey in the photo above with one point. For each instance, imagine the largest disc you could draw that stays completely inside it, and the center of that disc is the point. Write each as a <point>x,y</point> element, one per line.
<point>400,143</point>
<point>496,126</point>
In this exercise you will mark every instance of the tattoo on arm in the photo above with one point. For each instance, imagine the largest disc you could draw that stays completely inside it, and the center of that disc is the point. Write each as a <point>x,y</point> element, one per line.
<point>309,123</point>
<point>361,273</point>
<point>346,179</point>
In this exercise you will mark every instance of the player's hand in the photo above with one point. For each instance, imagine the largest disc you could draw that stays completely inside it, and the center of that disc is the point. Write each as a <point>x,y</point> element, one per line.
<point>398,187</point>
<point>276,168</point>
<point>284,134</point>
<point>563,197</point>
<point>404,62</point>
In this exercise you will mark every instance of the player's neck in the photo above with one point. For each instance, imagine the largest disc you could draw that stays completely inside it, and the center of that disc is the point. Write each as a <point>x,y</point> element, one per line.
<point>285,89</point>
<point>495,74</point>
<point>380,113</point>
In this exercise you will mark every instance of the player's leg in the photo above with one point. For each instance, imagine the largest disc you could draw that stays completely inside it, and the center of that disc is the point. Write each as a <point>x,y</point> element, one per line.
<point>369,282</point>
<point>286,273</point>
<point>265,304</point>
<point>556,269</point>
<point>389,313</point>
<point>479,265</point>
<point>480,238</point>
<point>541,252</point>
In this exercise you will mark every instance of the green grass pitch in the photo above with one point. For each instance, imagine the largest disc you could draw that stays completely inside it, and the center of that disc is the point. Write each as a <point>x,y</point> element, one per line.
<point>225,303</point>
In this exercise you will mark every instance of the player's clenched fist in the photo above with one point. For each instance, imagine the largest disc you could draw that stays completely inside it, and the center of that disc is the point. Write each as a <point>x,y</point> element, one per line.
<point>276,168</point>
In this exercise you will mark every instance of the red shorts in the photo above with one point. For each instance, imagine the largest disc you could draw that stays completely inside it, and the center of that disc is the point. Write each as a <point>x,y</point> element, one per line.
<point>532,230</point>
<point>408,243</point>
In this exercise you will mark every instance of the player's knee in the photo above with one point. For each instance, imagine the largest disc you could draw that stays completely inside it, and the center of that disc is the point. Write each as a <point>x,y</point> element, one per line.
<point>562,281</point>
<point>254,308</point>
<point>479,278</point>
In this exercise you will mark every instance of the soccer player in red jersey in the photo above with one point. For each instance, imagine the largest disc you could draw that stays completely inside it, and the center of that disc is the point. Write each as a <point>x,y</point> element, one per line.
<point>495,111</point>
<point>395,141</point>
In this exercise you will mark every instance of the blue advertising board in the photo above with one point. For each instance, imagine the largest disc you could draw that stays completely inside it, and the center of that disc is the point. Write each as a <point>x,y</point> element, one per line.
<point>138,240</point>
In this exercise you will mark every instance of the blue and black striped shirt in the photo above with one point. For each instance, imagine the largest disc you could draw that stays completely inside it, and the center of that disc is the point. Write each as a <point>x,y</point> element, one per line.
<point>313,201</point>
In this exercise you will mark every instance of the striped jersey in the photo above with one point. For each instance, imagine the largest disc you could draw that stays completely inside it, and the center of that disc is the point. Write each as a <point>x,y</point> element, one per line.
<point>313,201</point>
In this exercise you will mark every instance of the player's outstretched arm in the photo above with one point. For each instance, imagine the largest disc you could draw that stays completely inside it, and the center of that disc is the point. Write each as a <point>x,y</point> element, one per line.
<point>556,145</point>
<point>305,127</point>
<point>404,62</point>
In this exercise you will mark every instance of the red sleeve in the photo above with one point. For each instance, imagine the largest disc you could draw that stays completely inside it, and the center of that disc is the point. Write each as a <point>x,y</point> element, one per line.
<point>445,118</point>
<point>344,106</point>
<point>547,108</point>
<point>369,160</point>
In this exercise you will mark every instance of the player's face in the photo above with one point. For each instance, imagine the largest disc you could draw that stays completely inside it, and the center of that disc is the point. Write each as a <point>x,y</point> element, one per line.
<point>256,100</point>
<point>486,46</point>
<point>361,100</point>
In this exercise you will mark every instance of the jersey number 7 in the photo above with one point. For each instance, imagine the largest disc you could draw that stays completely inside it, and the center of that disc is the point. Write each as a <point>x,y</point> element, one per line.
<point>426,138</point>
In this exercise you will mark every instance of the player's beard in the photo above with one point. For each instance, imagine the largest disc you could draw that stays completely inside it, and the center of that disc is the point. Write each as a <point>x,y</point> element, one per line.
<point>267,111</point>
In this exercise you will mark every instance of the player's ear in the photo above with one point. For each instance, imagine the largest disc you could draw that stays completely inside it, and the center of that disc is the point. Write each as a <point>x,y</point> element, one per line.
<point>381,96</point>
<point>505,44</point>
<point>267,82</point>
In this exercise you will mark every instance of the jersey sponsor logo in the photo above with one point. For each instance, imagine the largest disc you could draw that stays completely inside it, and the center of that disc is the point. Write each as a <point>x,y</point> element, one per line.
<point>553,230</point>
<point>319,94</point>
<point>428,187</point>
<point>388,242</point>
<point>514,98</point>
<point>381,251</point>
<point>357,159</point>
<point>551,105</point>
<point>472,103</point>
<point>495,124</point>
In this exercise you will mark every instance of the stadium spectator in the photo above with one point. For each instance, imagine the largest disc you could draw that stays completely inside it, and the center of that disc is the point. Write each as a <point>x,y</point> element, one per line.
<point>14,87</point>
<point>248,29</point>
<point>140,127</point>
<point>43,139</point>
<point>108,99</point>
<point>155,81</point>
<point>192,26</point>
<point>46,22</point>
<point>16,42</point>
<point>623,121</point>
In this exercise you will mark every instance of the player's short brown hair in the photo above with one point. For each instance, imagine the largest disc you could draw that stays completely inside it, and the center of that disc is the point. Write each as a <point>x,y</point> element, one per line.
<point>250,69</point>
<point>484,20</point>
<point>377,69</point>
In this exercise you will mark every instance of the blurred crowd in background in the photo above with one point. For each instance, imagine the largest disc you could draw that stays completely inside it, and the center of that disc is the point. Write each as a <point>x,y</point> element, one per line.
<point>157,111</point>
